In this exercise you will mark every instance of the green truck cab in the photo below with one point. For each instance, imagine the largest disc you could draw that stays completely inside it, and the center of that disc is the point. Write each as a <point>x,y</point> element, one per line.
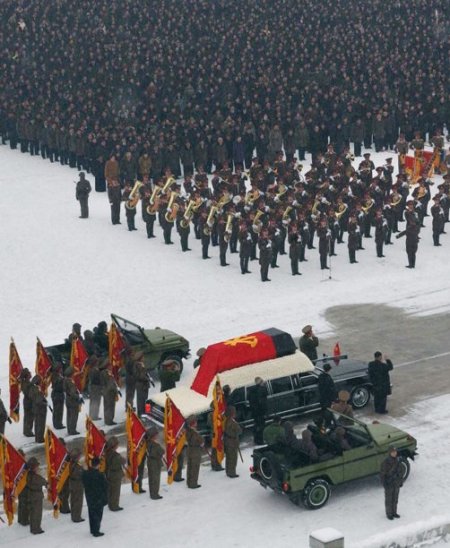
<point>293,474</point>
<point>157,344</point>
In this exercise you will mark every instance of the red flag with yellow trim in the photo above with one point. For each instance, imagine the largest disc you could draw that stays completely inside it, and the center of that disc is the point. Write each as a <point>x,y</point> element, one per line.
<point>58,468</point>
<point>336,353</point>
<point>137,446</point>
<point>218,420</point>
<point>14,476</point>
<point>78,358</point>
<point>174,437</point>
<point>116,351</point>
<point>43,366</point>
<point>15,369</point>
<point>94,445</point>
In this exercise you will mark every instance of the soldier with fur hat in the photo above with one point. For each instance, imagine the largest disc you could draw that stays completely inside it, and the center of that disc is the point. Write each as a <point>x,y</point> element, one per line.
<point>110,392</point>
<point>308,343</point>
<point>73,402</point>
<point>155,453</point>
<point>231,434</point>
<point>3,416</point>
<point>391,475</point>
<point>28,416</point>
<point>114,473</point>
<point>95,388</point>
<point>35,483</point>
<point>39,403</point>
<point>195,444</point>
<point>76,485</point>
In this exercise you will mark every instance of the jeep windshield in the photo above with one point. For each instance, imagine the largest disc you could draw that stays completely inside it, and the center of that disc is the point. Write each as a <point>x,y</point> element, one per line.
<point>133,333</point>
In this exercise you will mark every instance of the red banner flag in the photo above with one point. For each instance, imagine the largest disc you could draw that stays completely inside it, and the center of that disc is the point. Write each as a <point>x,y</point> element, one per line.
<point>336,353</point>
<point>218,420</point>
<point>78,357</point>
<point>94,445</point>
<point>415,165</point>
<point>116,351</point>
<point>137,446</point>
<point>58,468</point>
<point>14,476</point>
<point>43,366</point>
<point>15,369</point>
<point>219,357</point>
<point>174,437</point>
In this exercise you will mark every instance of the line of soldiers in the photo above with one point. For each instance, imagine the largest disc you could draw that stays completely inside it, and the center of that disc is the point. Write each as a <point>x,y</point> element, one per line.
<point>272,208</point>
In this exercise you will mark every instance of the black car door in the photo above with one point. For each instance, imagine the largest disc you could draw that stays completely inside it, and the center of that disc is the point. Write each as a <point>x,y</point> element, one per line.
<point>281,397</point>
<point>308,395</point>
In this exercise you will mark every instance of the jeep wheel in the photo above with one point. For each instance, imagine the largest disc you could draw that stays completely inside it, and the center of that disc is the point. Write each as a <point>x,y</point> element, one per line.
<point>406,467</point>
<point>266,468</point>
<point>360,397</point>
<point>316,494</point>
<point>175,358</point>
<point>270,469</point>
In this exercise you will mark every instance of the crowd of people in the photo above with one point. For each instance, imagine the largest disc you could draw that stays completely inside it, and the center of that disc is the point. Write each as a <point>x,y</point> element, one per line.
<point>101,98</point>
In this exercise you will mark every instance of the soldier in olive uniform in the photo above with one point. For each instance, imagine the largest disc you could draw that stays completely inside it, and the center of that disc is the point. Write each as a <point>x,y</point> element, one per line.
<point>39,403</point>
<point>195,444</point>
<point>308,343</point>
<point>28,417</point>
<point>232,431</point>
<point>73,402</point>
<point>35,483</point>
<point>3,417</point>
<point>23,512</point>
<point>76,486</point>
<point>110,394</point>
<point>265,254</point>
<point>64,494</point>
<point>154,463</point>
<point>391,475</point>
<point>57,396</point>
<point>114,473</point>
<point>142,383</point>
<point>82,195</point>
<point>130,378</point>
<point>169,375</point>
<point>95,388</point>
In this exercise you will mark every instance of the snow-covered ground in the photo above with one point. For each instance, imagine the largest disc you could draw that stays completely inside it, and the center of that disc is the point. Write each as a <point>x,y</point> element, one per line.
<point>57,269</point>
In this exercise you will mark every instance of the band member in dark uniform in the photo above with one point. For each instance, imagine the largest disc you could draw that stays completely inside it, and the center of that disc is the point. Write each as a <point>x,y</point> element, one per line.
<point>324,243</point>
<point>265,254</point>
<point>294,249</point>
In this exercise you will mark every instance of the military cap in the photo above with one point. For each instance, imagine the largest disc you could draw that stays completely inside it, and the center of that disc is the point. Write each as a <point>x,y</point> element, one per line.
<point>201,351</point>
<point>343,395</point>
<point>32,463</point>
<point>366,155</point>
<point>76,326</point>
<point>259,380</point>
<point>307,329</point>
<point>152,432</point>
<point>112,442</point>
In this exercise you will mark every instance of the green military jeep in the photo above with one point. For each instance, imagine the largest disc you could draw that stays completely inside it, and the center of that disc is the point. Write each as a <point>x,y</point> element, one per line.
<point>292,473</point>
<point>156,344</point>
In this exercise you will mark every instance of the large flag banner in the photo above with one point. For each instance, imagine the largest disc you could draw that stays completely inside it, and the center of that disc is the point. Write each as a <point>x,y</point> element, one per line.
<point>15,369</point>
<point>137,446</point>
<point>58,468</point>
<point>415,165</point>
<point>78,358</point>
<point>336,353</point>
<point>245,350</point>
<point>43,366</point>
<point>94,445</point>
<point>218,420</point>
<point>116,351</point>
<point>14,476</point>
<point>174,437</point>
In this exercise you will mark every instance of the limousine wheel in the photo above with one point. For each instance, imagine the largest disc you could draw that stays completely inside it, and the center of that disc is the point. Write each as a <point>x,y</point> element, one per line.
<point>316,494</point>
<point>360,397</point>
<point>406,467</point>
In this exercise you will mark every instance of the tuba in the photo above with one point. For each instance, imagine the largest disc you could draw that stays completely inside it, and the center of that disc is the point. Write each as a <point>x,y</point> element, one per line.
<point>251,197</point>
<point>210,220</point>
<point>287,215</point>
<point>368,204</point>
<point>133,197</point>
<point>188,214</point>
<point>228,227</point>
<point>172,209</point>
<point>341,210</point>
<point>282,189</point>
<point>257,223</point>
<point>224,200</point>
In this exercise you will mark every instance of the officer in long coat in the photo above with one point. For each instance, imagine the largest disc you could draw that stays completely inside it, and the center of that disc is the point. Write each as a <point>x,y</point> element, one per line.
<point>154,463</point>
<point>195,444</point>
<point>35,483</point>
<point>391,474</point>
<point>308,343</point>
<point>64,494</point>
<point>327,388</point>
<point>82,195</point>
<point>257,399</point>
<point>39,403</point>
<point>412,235</point>
<point>73,402</point>
<point>438,220</point>
<point>95,488</point>
<point>353,239</point>
<point>95,388</point>
<point>245,248</point>
<point>142,384</point>
<point>76,486</point>
<point>381,382</point>
<point>114,473</point>
<point>130,378</point>
<point>265,254</point>
<point>23,511</point>
<point>110,394</point>
<point>231,434</point>
<point>294,250</point>
<point>28,417</point>
<point>57,396</point>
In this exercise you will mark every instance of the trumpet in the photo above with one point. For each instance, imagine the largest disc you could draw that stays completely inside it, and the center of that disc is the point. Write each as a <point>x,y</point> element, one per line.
<point>172,209</point>
<point>190,210</point>
<point>210,220</point>
<point>228,227</point>
<point>257,223</point>
<point>133,197</point>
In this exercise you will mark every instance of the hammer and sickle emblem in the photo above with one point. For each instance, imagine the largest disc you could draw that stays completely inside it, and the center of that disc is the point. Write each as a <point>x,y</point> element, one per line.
<point>248,339</point>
